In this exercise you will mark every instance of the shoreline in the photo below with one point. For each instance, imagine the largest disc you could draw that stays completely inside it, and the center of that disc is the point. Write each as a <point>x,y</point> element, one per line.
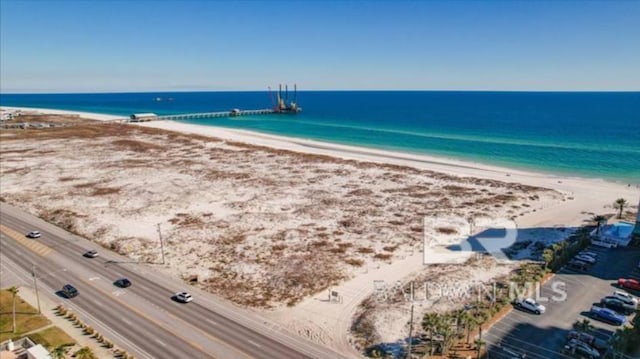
<point>570,185</point>
<point>308,145</point>
<point>87,115</point>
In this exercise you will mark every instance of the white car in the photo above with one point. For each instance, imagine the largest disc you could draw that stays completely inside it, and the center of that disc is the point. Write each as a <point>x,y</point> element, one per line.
<point>530,305</point>
<point>91,253</point>
<point>593,255</point>
<point>625,297</point>
<point>34,234</point>
<point>183,297</point>
<point>585,258</point>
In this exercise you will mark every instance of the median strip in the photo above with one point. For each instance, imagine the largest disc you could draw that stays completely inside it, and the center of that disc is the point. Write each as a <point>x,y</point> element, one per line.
<point>31,244</point>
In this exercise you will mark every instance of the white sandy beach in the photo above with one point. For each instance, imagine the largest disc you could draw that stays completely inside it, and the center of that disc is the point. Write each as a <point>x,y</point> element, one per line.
<point>87,115</point>
<point>571,201</point>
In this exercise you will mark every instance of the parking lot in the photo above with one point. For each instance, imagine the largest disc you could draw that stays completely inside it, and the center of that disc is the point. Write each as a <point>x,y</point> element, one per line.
<point>523,334</point>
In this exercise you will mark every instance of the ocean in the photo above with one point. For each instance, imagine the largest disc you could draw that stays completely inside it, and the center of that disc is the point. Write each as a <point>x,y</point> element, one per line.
<point>584,134</point>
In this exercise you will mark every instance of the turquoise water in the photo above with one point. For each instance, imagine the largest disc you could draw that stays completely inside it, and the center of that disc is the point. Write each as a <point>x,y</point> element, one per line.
<point>587,134</point>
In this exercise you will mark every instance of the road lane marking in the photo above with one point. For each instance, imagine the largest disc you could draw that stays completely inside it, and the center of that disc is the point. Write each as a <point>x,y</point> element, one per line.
<point>254,343</point>
<point>528,350</point>
<point>196,345</point>
<point>160,324</point>
<point>160,342</point>
<point>94,278</point>
<point>211,321</point>
<point>514,341</point>
<point>20,272</point>
<point>31,244</point>
<point>128,322</point>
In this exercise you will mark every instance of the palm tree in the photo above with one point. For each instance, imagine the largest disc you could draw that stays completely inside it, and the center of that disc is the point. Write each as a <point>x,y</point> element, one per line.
<point>622,339</point>
<point>447,332</point>
<point>598,219</point>
<point>456,316</point>
<point>14,293</point>
<point>469,323</point>
<point>59,352</point>
<point>430,324</point>
<point>547,256</point>
<point>583,325</point>
<point>479,344</point>
<point>85,353</point>
<point>480,318</point>
<point>620,204</point>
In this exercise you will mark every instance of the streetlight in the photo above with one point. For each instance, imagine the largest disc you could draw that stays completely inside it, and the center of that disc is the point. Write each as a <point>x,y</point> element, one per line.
<point>161,243</point>
<point>35,285</point>
<point>410,333</point>
<point>35,281</point>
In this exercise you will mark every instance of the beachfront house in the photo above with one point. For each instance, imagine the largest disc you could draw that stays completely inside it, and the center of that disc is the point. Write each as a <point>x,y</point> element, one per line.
<point>139,117</point>
<point>6,116</point>
<point>618,234</point>
<point>23,348</point>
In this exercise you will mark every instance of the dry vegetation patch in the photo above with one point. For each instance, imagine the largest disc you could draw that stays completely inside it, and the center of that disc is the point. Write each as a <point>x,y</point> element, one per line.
<point>259,226</point>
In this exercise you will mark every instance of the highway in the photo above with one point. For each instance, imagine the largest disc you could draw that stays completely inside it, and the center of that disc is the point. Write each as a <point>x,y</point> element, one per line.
<point>142,318</point>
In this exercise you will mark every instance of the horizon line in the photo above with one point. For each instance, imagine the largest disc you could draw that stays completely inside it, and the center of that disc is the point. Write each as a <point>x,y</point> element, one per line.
<point>312,90</point>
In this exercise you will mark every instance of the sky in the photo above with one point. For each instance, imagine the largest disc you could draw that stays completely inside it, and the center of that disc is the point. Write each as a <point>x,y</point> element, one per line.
<point>199,45</point>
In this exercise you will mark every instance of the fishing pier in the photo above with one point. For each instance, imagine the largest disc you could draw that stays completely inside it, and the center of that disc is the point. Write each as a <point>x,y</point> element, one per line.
<point>282,106</point>
<point>143,117</point>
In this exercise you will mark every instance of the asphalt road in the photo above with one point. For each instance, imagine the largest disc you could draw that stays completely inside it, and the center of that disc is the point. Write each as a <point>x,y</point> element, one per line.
<point>142,318</point>
<point>543,336</point>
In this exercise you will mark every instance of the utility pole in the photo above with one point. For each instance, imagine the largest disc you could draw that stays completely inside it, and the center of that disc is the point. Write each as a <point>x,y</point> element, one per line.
<point>479,345</point>
<point>161,244</point>
<point>410,333</point>
<point>35,286</point>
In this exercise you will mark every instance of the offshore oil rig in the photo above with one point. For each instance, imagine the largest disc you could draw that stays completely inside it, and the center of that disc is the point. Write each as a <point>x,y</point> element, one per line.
<point>283,105</point>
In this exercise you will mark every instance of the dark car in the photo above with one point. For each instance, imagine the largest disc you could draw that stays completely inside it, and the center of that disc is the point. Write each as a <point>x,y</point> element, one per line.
<point>122,283</point>
<point>579,265</point>
<point>598,344</point>
<point>70,291</point>
<point>575,346</point>
<point>617,305</point>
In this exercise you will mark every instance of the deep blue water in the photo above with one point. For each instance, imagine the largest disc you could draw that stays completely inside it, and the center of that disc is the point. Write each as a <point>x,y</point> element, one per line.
<point>589,134</point>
